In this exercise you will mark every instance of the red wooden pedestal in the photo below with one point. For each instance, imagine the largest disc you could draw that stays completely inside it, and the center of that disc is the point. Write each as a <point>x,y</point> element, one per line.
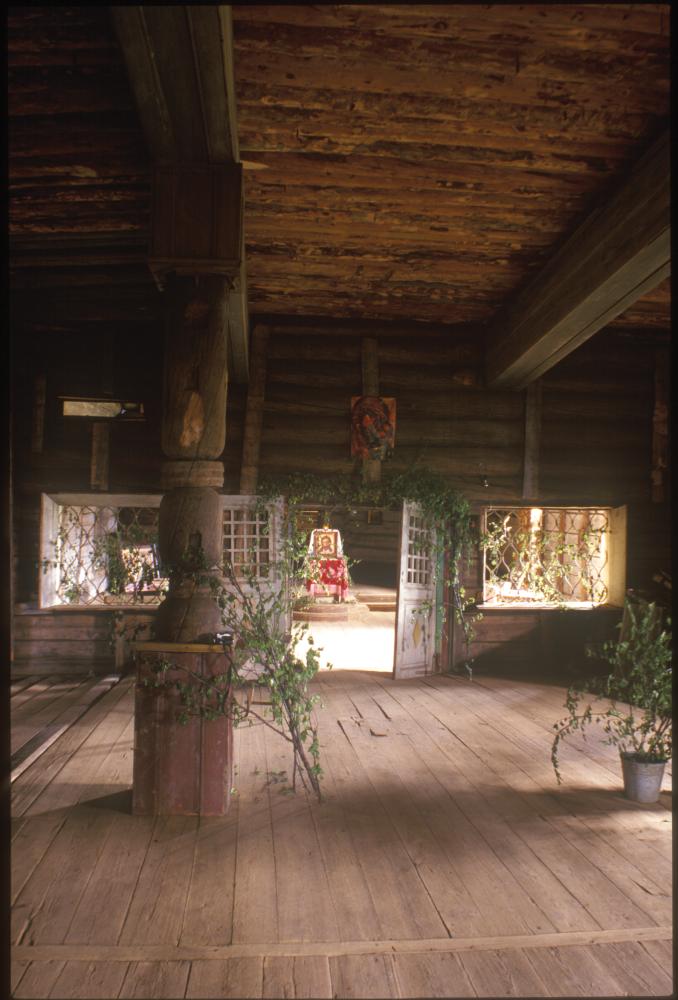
<point>179,770</point>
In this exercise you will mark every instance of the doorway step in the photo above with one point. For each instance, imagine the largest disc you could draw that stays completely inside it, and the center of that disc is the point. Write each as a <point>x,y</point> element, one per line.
<point>377,598</point>
<point>322,612</point>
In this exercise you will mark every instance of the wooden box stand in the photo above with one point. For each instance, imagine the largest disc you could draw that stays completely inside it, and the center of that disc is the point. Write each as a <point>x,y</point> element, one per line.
<point>179,770</point>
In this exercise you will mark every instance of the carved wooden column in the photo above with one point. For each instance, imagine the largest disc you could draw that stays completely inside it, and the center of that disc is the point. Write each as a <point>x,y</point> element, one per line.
<point>195,252</point>
<point>193,438</point>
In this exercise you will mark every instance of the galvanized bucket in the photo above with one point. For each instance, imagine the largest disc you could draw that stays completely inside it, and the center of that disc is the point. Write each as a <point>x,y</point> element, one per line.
<point>642,781</point>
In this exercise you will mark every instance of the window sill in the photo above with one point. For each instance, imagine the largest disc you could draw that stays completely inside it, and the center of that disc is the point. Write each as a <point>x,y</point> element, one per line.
<point>524,606</point>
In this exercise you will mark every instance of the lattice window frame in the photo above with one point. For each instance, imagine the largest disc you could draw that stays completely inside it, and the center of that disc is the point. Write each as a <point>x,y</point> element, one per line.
<point>260,526</point>
<point>419,569</point>
<point>609,576</point>
<point>49,585</point>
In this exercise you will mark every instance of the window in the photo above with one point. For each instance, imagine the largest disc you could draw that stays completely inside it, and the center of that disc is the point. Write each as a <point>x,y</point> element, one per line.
<point>418,555</point>
<point>101,550</point>
<point>247,540</point>
<point>101,409</point>
<point>553,556</point>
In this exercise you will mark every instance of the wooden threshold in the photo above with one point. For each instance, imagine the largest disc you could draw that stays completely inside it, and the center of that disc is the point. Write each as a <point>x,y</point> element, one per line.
<point>165,953</point>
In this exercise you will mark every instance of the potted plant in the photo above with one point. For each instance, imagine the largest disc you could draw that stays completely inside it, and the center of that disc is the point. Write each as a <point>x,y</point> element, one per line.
<point>636,711</point>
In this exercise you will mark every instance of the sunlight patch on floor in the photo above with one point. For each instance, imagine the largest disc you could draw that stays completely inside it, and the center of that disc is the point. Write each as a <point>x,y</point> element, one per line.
<point>365,642</point>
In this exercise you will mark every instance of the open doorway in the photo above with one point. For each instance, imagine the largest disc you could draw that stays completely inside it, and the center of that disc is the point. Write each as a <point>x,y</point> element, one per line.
<point>355,626</point>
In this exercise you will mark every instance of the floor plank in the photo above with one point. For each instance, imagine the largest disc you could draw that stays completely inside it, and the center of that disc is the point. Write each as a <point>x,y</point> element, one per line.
<point>103,906</point>
<point>235,977</point>
<point>463,778</point>
<point>255,912</point>
<point>155,980</point>
<point>545,705</point>
<point>38,980</point>
<point>208,917</point>
<point>82,735</point>
<point>89,981</point>
<point>312,977</point>
<point>432,975</point>
<point>432,845</point>
<point>634,968</point>
<point>60,709</point>
<point>363,976</point>
<point>17,970</point>
<point>602,775</point>
<point>573,971</point>
<point>156,913</point>
<point>279,977</point>
<point>403,905</point>
<point>46,905</point>
<point>353,903</point>
<point>39,696</point>
<point>662,952</point>
<point>502,974</point>
<point>303,898</point>
<point>19,683</point>
<point>596,890</point>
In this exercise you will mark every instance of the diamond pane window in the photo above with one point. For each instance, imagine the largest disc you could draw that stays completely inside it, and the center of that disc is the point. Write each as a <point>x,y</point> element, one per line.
<point>100,551</point>
<point>547,555</point>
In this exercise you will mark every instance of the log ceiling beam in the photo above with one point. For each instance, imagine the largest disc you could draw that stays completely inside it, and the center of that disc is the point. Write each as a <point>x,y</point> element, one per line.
<point>180,65</point>
<point>620,252</point>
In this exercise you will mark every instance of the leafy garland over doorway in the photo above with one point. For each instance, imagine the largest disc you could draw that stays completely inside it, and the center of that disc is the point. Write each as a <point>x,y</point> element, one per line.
<point>446,510</point>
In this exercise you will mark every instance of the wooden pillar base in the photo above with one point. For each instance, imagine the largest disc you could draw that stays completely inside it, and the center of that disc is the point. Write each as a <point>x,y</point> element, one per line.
<point>179,770</point>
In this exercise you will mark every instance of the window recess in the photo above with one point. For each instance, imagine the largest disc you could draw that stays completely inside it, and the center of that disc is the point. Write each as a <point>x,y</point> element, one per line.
<point>100,550</point>
<point>553,556</point>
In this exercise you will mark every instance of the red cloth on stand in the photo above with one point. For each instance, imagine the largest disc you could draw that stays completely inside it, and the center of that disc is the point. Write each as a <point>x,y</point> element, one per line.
<point>331,577</point>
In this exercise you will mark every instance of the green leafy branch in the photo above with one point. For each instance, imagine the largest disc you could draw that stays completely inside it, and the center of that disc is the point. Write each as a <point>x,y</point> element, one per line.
<point>637,714</point>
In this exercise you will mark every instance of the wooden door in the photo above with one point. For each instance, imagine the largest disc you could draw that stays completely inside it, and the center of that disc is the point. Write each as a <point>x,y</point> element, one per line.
<point>415,633</point>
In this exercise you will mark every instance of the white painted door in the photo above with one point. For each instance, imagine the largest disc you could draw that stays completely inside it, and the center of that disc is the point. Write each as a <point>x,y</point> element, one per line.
<point>415,634</point>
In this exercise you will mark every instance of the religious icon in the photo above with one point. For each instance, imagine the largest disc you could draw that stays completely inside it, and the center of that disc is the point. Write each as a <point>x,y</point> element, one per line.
<point>327,571</point>
<point>325,543</point>
<point>372,426</point>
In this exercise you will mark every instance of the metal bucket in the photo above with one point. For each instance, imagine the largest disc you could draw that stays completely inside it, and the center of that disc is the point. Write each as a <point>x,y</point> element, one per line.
<point>642,781</point>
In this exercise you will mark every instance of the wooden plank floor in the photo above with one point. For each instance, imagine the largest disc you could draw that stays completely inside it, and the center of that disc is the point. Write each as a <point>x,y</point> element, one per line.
<point>443,861</point>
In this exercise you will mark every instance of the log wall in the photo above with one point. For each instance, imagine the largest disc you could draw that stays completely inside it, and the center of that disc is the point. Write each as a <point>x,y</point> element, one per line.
<point>445,420</point>
<point>595,446</point>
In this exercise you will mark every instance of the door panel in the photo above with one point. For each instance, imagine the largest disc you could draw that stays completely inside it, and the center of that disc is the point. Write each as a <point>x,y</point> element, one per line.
<point>415,634</point>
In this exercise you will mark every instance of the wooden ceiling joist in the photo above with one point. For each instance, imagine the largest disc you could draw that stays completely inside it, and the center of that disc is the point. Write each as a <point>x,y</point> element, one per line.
<point>620,252</point>
<point>180,64</point>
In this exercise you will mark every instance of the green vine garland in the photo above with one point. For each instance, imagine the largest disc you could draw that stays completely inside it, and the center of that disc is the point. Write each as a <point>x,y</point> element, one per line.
<point>445,509</point>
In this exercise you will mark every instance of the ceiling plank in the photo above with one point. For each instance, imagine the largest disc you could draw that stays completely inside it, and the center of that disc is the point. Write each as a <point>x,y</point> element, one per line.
<point>180,64</point>
<point>620,252</point>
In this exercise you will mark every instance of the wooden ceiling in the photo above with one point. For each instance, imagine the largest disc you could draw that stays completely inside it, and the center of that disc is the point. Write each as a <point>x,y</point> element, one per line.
<point>401,162</point>
<point>421,161</point>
